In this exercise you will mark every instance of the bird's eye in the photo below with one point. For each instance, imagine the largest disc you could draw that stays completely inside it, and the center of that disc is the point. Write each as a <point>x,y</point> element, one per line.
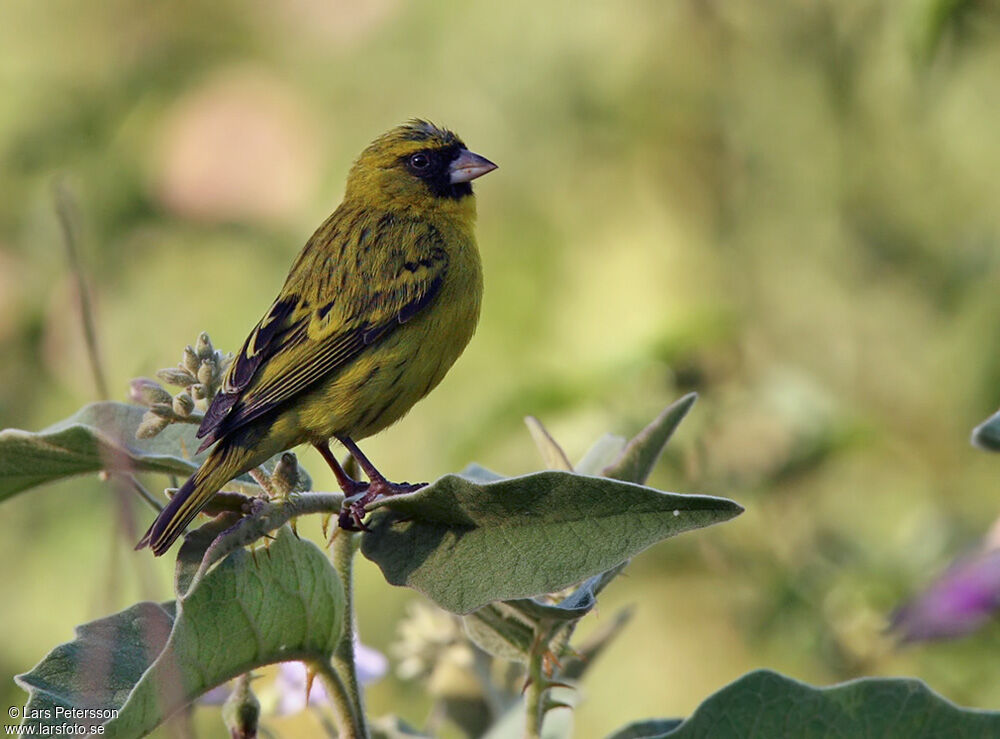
<point>420,161</point>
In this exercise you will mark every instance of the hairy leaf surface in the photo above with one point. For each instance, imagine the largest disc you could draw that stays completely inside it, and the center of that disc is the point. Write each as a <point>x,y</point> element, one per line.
<point>763,704</point>
<point>150,660</point>
<point>465,543</point>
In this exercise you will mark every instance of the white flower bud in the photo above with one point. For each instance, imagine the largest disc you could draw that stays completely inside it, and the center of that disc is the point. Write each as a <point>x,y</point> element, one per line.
<point>183,404</point>
<point>145,391</point>
<point>203,348</point>
<point>177,376</point>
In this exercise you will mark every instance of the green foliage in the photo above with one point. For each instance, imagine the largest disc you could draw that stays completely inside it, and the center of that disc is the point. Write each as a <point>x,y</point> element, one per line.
<point>283,603</point>
<point>100,436</point>
<point>465,544</point>
<point>692,195</point>
<point>764,704</point>
<point>523,558</point>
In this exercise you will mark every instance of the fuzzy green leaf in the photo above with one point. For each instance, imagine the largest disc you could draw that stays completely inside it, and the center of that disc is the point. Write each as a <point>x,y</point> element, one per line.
<point>639,456</point>
<point>987,434</point>
<point>764,704</point>
<point>100,436</point>
<point>148,661</point>
<point>466,544</point>
<point>191,555</point>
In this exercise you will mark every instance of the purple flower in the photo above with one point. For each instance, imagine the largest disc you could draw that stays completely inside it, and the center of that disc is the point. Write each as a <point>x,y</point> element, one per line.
<point>217,695</point>
<point>291,688</point>
<point>959,602</point>
<point>290,684</point>
<point>371,663</point>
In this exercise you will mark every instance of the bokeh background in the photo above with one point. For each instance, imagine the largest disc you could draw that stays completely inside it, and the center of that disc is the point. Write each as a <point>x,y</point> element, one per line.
<point>790,207</point>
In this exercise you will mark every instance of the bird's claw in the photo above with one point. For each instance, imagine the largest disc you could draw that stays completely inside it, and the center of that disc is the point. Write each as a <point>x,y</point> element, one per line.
<point>352,513</point>
<point>351,518</point>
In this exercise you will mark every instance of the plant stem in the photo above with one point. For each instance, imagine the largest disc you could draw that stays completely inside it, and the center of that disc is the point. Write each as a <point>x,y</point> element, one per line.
<point>535,696</point>
<point>350,723</point>
<point>65,211</point>
<point>343,547</point>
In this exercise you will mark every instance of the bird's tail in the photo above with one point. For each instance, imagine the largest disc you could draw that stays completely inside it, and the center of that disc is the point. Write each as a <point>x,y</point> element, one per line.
<point>224,463</point>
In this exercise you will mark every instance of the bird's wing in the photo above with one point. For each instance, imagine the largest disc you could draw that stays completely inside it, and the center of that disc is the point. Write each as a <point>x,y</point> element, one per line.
<point>304,337</point>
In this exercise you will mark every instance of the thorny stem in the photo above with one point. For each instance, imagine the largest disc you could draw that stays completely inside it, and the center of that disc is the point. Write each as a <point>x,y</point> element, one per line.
<point>343,547</point>
<point>350,722</point>
<point>67,220</point>
<point>537,685</point>
<point>266,517</point>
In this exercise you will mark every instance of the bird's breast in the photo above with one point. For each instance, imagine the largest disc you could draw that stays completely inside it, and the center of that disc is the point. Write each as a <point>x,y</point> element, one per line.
<point>384,382</point>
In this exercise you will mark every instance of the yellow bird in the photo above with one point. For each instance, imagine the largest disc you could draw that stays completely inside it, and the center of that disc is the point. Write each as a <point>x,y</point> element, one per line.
<point>376,308</point>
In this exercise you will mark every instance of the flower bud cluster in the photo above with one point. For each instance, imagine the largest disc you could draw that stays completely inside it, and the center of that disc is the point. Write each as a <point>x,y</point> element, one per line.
<point>199,375</point>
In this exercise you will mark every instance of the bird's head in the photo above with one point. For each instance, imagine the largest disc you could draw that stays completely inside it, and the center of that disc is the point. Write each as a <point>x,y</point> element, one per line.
<point>417,167</point>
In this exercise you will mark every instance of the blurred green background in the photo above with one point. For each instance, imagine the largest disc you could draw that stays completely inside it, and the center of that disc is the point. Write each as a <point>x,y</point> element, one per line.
<point>790,207</point>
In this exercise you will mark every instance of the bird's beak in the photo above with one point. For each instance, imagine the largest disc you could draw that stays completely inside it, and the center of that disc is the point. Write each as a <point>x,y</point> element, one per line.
<point>469,166</point>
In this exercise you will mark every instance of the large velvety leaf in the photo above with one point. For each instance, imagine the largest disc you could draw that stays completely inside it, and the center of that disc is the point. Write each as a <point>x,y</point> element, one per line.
<point>100,436</point>
<point>764,704</point>
<point>97,670</point>
<point>466,544</point>
<point>987,434</point>
<point>147,661</point>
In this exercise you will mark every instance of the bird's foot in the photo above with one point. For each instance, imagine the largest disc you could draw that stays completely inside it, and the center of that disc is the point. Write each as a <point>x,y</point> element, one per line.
<point>353,512</point>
